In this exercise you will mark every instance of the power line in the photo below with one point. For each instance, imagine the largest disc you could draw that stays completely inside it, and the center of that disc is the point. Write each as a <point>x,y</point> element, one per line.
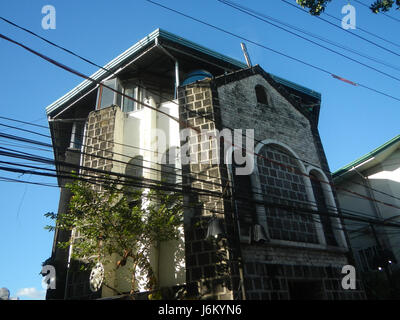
<point>277,205</point>
<point>257,16</point>
<point>347,31</point>
<point>136,148</point>
<point>206,182</point>
<point>50,42</point>
<point>193,206</point>
<point>365,31</point>
<point>339,45</point>
<point>69,51</point>
<point>269,49</point>
<point>383,13</point>
<point>24,122</point>
<point>141,185</point>
<point>23,155</point>
<point>116,91</point>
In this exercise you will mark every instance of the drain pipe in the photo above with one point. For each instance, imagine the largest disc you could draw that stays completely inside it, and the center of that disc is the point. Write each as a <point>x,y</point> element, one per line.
<point>176,66</point>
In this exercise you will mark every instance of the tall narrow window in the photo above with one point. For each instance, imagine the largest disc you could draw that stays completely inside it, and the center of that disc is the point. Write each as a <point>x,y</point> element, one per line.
<point>130,105</point>
<point>77,134</point>
<point>134,92</point>
<point>261,94</point>
<point>244,201</point>
<point>322,207</point>
<point>134,171</point>
<point>169,166</point>
<point>106,96</point>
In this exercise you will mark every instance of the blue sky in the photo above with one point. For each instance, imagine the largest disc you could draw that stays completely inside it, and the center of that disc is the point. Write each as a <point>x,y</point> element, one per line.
<point>353,120</point>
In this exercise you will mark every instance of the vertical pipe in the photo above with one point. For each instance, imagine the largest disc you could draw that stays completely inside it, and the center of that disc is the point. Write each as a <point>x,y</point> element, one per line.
<point>176,78</point>
<point>246,55</point>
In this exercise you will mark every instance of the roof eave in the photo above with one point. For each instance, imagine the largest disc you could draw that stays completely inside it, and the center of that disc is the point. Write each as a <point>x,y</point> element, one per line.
<point>124,57</point>
<point>367,158</point>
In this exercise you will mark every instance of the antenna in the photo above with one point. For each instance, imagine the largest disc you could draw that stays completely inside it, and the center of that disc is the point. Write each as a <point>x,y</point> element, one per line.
<point>246,54</point>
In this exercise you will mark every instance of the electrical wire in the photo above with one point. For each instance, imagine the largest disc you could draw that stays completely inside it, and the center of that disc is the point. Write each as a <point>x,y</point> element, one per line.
<point>347,31</point>
<point>198,191</point>
<point>255,190</point>
<point>304,31</point>
<point>270,49</point>
<point>84,59</point>
<point>112,89</point>
<point>171,187</point>
<point>364,30</point>
<point>383,13</point>
<point>258,16</point>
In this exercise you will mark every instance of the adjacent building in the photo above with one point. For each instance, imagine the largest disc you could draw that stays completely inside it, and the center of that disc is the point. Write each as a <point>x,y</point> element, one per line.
<point>375,176</point>
<point>277,231</point>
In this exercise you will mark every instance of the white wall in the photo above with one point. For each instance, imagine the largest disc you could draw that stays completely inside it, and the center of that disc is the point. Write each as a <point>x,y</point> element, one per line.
<point>384,177</point>
<point>141,137</point>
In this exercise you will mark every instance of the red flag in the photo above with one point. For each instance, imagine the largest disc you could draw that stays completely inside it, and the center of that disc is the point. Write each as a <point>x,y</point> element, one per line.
<point>345,80</point>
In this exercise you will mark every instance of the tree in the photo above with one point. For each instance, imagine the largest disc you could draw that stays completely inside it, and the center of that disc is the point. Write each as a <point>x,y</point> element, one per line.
<point>122,221</point>
<point>318,6</point>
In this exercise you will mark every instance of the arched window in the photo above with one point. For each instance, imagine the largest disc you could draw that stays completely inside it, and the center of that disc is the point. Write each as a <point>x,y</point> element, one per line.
<point>281,182</point>
<point>322,207</point>
<point>261,94</point>
<point>134,168</point>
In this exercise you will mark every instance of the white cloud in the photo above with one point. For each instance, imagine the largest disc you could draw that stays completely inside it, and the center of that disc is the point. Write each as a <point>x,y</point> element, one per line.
<point>31,293</point>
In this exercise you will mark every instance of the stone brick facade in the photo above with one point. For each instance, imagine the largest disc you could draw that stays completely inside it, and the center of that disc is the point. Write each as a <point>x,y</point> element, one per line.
<point>98,154</point>
<point>99,139</point>
<point>295,259</point>
<point>208,268</point>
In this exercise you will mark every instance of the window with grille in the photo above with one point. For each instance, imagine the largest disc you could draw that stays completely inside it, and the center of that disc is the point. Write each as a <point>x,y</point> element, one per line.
<point>281,182</point>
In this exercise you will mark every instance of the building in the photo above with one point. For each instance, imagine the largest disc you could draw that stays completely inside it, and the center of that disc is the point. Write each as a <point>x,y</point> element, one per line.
<point>279,235</point>
<point>376,176</point>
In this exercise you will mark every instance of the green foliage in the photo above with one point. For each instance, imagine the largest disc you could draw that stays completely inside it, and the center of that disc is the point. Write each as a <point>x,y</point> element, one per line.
<point>316,7</point>
<point>383,5</point>
<point>123,221</point>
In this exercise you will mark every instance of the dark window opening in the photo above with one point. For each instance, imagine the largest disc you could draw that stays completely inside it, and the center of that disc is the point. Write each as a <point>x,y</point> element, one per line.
<point>261,94</point>
<point>169,166</point>
<point>134,171</point>
<point>243,195</point>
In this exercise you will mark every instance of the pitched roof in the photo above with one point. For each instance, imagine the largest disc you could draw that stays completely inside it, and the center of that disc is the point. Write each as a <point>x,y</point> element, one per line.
<point>388,147</point>
<point>138,48</point>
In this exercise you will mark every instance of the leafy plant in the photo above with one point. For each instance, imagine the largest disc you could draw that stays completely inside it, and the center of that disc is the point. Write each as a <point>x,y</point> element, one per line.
<point>123,221</point>
<point>316,7</point>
